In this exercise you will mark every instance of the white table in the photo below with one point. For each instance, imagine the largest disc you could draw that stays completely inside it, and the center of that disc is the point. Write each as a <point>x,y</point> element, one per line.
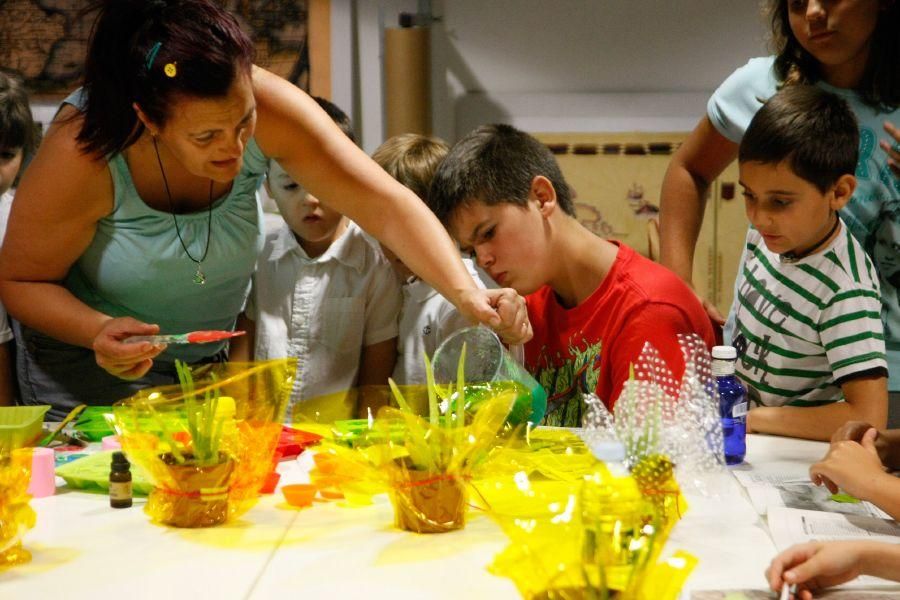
<point>84,549</point>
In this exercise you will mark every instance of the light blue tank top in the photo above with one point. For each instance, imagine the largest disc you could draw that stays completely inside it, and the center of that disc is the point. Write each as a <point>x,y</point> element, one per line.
<point>135,266</point>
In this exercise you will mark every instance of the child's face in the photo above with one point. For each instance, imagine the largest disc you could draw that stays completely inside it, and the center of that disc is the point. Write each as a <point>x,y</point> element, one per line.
<point>837,33</point>
<point>10,161</point>
<point>790,213</point>
<point>304,214</point>
<point>507,241</point>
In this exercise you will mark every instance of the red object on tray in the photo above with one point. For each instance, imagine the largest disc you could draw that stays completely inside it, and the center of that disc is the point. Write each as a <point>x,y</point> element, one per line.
<point>293,442</point>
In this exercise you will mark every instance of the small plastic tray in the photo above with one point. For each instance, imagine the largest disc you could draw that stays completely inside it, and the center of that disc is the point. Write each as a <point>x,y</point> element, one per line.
<point>92,423</point>
<point>91,474</point>
<point>20,426</point>
<point>357,433</point>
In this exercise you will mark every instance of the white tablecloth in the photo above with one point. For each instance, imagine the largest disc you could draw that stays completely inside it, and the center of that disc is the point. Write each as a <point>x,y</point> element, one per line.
<point>84,549</point>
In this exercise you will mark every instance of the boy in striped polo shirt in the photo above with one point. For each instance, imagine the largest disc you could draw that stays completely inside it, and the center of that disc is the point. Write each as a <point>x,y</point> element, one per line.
<point>809,334</point>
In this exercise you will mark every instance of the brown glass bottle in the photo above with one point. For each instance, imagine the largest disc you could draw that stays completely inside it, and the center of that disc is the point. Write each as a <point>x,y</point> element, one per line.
<point>120,481</point>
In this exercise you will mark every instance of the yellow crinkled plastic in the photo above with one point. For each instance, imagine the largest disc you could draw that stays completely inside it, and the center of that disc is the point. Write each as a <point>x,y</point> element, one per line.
<point>545,559</point>
<point>16,516</point>
<point>208,444</point>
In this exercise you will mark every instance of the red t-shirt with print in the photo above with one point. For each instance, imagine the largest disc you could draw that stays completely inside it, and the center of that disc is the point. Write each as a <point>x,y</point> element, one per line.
<point>591,346</point>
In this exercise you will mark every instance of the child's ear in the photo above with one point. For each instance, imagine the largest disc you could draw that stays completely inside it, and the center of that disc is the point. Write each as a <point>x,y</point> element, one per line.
<point>145,120</point>
<point>842,191</point>
<point>543,191</point>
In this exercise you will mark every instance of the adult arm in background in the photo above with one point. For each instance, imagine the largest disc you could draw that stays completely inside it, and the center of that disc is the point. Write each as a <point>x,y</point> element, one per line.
<point>64,193</point>
<point>293,130</point>
<point>865,399</point>
<point>697,162</point>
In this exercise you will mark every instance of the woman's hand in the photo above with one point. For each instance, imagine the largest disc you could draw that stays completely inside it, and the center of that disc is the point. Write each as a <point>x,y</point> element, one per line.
<point>815,565</point>
<point>851,466</point>
<point>126,361</point>
<point>503,310</point>
<point>892,149</point>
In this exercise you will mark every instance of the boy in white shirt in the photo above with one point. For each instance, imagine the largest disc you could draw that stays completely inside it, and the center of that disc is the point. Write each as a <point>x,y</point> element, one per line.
<point>426,318</point>
<point>323,293</point>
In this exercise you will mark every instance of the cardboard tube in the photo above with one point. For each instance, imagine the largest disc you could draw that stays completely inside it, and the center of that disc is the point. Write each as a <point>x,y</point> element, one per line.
<point>407,80</point>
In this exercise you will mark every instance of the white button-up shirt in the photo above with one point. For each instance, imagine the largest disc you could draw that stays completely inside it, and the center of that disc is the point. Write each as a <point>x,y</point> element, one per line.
<point>426,320</point>
<point>323,310</point>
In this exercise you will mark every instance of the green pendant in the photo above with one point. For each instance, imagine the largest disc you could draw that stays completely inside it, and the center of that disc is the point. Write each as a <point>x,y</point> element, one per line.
<point>199,277</point>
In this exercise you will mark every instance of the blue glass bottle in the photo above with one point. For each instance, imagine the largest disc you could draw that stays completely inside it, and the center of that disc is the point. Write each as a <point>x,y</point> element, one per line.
<point>732,404</point>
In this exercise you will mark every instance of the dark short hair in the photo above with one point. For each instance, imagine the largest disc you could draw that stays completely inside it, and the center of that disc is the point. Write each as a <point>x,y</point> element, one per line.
<point>133,45</point>
<point>880,84</point>
<point>494,164</point>
<point>812,129</point>
<point>17,128</point>
<point>339,117</point>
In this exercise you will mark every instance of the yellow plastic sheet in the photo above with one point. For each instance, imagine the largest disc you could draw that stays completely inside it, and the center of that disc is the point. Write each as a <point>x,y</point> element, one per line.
<point>207,447</point>
<point>546,556</point>
<point>16,516</point>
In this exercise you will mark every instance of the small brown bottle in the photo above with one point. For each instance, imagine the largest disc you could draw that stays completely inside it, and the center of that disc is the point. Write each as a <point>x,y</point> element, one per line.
<point>120,481</point>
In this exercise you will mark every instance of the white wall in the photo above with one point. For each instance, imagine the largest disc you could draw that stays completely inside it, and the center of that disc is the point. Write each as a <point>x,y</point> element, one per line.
<point>665,54</point>
<point>656,57</point>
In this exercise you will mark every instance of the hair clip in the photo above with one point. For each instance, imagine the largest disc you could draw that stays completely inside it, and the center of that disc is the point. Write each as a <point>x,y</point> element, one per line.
<point>170,70</point>
<point>151,54</point>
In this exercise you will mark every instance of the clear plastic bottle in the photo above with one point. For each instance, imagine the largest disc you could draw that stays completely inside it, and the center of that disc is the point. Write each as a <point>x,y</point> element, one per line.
<point>732,404</point>
<point>613,514</point>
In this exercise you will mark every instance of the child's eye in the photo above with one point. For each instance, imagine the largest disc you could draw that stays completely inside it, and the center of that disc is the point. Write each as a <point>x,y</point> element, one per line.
<point>779,203</point>
<point>489,233</point>
<point>290,187</point>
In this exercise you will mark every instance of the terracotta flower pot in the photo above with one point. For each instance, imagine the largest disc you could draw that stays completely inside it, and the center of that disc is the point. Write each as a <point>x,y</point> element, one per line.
<point>429,502</point>
<point>196,496</point>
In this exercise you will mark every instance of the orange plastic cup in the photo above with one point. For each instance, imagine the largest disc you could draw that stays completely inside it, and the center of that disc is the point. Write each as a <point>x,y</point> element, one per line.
<point>299,494</point>
<point>326,463</point>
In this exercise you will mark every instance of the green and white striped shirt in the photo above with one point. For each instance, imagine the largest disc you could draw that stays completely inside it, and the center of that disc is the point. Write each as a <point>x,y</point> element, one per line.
<point>804,326</point>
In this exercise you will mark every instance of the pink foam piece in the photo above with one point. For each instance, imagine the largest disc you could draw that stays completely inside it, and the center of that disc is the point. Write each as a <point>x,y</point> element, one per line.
<point>111,442</point>
<point>43,473</point>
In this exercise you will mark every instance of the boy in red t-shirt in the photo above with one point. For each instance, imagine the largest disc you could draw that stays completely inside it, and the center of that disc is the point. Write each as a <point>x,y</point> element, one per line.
<point>593,303</point>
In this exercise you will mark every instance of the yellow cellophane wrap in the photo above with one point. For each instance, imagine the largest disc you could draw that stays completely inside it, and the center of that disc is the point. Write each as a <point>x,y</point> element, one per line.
<point>426,468</point>
<point>16,516</point>
<point>543,519</point>
<point>246,403</point>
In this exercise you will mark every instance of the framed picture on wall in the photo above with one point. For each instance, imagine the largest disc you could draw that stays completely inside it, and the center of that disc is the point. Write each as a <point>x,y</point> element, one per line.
<point>44,41</point>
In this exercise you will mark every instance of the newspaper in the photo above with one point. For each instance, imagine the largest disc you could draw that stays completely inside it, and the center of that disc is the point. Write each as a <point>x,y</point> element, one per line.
<point>789,526</point>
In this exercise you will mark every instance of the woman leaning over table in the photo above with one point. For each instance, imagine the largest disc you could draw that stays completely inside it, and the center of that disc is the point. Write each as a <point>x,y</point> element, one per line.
<point>139,211</point>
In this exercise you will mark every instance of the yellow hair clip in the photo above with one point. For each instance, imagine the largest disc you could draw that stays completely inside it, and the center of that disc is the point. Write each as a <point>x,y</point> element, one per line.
<point>170,70</point>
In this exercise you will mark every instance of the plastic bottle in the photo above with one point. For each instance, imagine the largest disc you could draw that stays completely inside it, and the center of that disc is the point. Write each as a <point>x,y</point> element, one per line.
<point>613,515</point>
<point>120,495</point>
<point>732,404</point>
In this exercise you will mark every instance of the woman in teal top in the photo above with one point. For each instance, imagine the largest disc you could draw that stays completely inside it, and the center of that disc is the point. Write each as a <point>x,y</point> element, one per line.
<point>138,213</point>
